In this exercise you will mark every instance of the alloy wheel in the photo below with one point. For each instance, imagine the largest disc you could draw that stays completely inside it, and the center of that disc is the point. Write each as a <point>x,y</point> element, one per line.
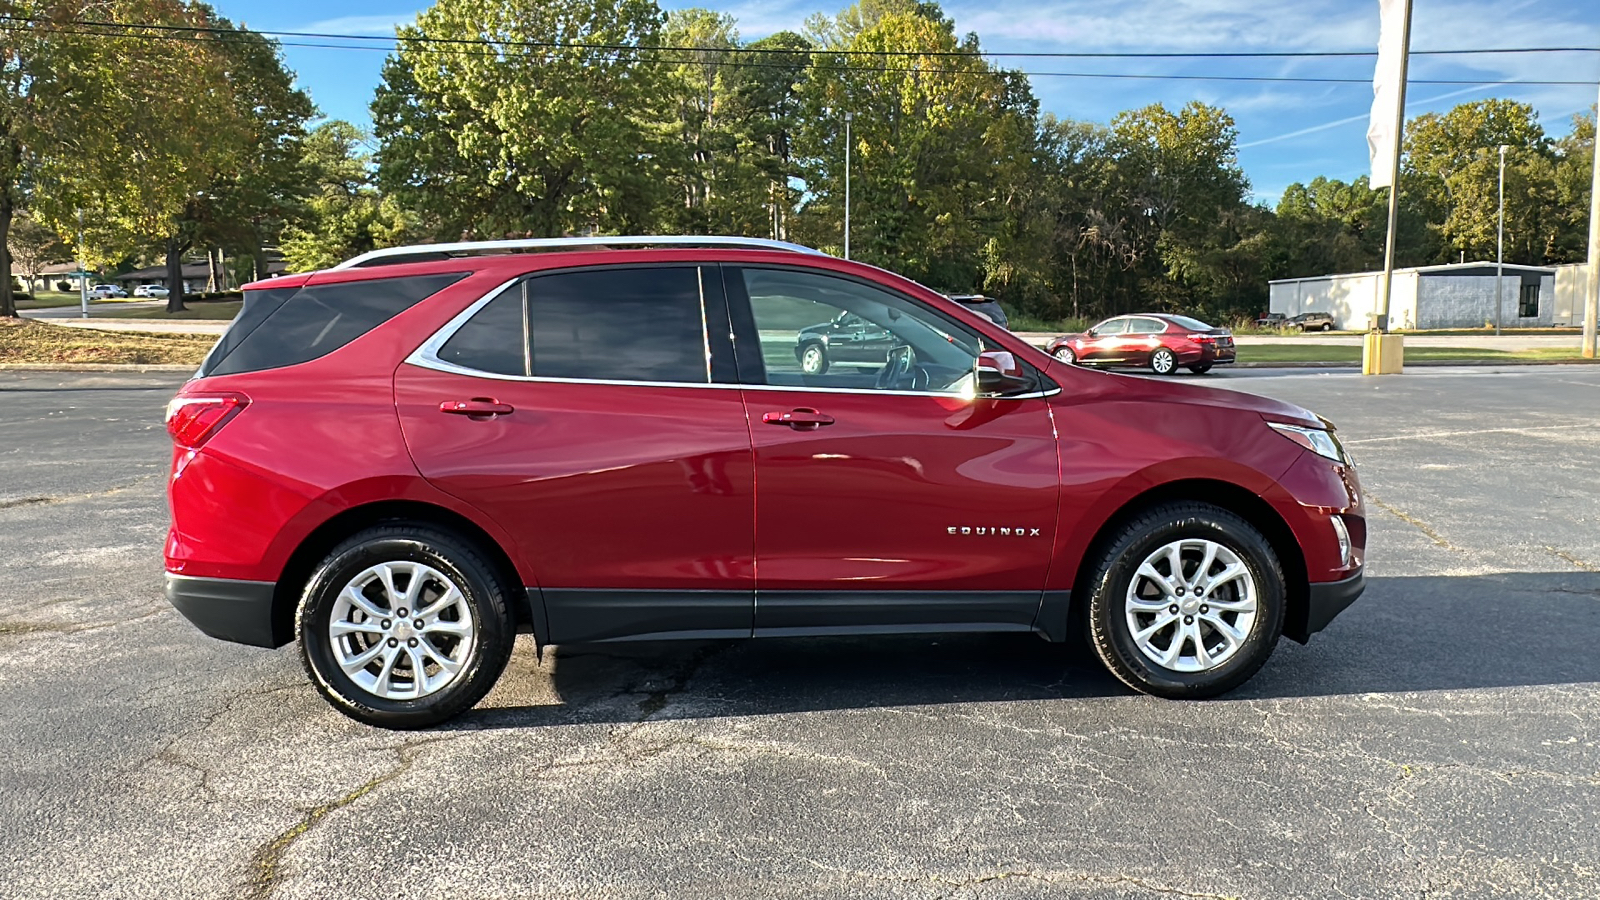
<point>1191,605</point>
<point>401,630</point>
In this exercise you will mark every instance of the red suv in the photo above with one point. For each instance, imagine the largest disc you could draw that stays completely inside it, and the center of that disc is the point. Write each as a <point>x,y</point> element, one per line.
<point>1157,340</point>
<point>404,461</point>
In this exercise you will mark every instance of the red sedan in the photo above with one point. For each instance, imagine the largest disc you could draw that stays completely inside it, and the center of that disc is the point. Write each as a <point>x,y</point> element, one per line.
<point>1161,342</point>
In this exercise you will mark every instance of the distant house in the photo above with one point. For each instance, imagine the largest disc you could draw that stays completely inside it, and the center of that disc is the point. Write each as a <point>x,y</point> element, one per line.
<point>49,276</point>
<point>1458,295</point>
<point>195,275</point>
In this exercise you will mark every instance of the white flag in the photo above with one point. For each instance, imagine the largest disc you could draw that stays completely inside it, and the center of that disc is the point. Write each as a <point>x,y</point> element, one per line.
<point>1386,88</point>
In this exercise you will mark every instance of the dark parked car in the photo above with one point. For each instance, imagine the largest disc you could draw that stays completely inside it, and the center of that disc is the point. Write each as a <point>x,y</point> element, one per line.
<point>1312,321</point>
<point>1272,320</point>
<point>988,307</point>
<point>846,338</point>
<point>1158,341</point>
<point>404,461</point>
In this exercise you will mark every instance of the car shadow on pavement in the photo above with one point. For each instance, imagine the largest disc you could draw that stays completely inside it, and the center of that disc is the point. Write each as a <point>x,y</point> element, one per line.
<point>1422,633</point>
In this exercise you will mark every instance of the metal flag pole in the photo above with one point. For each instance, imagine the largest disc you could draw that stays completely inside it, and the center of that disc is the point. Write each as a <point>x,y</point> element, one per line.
<point>1381,354</point>
<point>1591,303</point>
<point>1500,245</point>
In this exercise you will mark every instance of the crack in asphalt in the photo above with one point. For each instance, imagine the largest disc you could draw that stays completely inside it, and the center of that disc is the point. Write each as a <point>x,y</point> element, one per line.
<point>1415,522</point>
<point>44,500</point>
<point>1568,557</point>
<point>266,862</point>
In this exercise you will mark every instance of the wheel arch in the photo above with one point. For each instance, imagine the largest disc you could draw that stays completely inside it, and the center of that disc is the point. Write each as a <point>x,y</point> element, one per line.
<point>322,539</point>
<point>1238,500</point>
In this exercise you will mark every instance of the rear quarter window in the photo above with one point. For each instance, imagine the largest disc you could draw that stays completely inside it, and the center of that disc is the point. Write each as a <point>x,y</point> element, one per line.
<point>286,327</point>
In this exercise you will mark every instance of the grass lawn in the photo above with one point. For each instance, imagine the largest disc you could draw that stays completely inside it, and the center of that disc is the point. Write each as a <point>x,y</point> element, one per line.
<point>223,310</point>
<point>48,301</point>
<point>1352,355</point>
<point>31,341</point>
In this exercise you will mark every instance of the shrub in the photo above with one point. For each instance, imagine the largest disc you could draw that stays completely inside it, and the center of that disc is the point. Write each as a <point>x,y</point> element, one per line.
<point>63,286</point>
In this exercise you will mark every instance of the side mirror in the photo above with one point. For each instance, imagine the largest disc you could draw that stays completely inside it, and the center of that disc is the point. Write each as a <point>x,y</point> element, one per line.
<point>999,374</point>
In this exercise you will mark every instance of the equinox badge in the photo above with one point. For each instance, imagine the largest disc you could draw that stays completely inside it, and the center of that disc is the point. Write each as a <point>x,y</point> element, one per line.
<point>984,530</point>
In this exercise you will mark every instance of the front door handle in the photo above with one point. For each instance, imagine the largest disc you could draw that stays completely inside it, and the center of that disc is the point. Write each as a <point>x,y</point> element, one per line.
<point>802,419</point>
<point>476,408</point>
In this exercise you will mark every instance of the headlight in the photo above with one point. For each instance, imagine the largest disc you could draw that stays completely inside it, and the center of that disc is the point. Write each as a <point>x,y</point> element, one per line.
<point>1317,440</point>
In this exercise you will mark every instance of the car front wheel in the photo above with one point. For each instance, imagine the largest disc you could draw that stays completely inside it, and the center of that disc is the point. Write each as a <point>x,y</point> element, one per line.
<point>1187,602</point>
<point>1066,355</point>
<point>404,626</point>
<point>813,360</point>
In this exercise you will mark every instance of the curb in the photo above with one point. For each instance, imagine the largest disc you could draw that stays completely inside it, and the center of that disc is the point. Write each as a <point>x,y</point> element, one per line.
<point>123,368</point>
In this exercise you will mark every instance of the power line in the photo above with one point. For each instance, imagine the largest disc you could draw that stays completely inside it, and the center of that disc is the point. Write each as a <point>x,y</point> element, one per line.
<point>489,48</point>
<point>578,45</point>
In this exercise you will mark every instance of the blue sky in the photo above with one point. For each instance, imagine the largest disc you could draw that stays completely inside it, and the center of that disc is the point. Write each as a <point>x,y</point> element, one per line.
<point>1287,131</point>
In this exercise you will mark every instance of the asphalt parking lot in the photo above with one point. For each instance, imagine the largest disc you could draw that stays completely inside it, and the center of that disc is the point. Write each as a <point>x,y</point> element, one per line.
<point>1442,739</point>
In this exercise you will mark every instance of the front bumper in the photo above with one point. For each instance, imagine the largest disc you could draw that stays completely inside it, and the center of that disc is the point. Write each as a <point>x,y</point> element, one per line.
<point>1325,601</point>
<point>226,608</point>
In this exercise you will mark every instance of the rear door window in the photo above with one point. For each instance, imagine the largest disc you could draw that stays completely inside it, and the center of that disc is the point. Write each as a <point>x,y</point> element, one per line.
<point>278,328</point>
<point>644,324</point>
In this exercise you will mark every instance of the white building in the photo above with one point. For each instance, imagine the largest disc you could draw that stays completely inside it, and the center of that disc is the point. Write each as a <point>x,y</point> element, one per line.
<point>1571,287</point>
<point>1459,295</point>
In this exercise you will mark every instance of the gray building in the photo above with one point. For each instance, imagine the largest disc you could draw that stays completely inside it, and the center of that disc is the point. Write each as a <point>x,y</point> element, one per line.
<point>1459,295</point>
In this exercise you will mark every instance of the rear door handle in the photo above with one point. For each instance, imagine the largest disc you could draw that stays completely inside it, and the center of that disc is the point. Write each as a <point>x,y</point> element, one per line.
<point>477,407</point>
<point>802,419</point>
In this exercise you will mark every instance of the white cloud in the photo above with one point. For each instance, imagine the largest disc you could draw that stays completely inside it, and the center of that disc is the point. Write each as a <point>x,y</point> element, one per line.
<point>362,25</point>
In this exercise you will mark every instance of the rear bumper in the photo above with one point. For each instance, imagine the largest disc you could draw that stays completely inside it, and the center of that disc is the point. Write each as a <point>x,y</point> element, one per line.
<point>225,608</point>
<point>1325,601</point>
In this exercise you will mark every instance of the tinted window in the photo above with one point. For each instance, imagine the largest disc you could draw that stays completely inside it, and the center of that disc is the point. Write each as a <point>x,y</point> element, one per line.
<point>1111,326</point>
<point>1146,326</point>
<point>1190,324</point>
<point>823,331</point>
<point>494,339</point>
<point>643,324</point>
<point>277,331</point>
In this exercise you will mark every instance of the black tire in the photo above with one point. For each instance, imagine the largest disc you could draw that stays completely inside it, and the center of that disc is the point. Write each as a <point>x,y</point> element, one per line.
<point>1109,631</point>
<point>814,359</point>
<point>1066,355</point>
<point>1200,368</point>
<point>1163,361</point>
<point>485,599</point>
<point>1327,326</point>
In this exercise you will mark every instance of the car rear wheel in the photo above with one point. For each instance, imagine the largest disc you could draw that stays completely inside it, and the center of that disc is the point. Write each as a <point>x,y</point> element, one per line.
<point>1327,326</point>
<point>1066,355</point>
<point>1187,602</point>
<point>404,626</point>
<point>1200,368</point>
<point>813,360</point>
<point>1163,361</point>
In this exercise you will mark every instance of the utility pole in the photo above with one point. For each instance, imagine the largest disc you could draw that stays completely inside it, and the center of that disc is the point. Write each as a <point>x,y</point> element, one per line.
<point>847,117</point>
<point>1591,303</point>
<point>1500,243</point>
<point>1384,354</point>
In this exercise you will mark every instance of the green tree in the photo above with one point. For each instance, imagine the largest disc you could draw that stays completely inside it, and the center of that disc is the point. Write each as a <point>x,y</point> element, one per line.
<point>345,216</point>
<point>930,131</point>
<point>34,246</point>
<point>1452,161</point>
<point>524,138</point>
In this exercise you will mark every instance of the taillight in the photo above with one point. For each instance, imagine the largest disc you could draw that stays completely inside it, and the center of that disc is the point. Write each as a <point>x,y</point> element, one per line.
<point>192,420</point>
<point>1202,338</point>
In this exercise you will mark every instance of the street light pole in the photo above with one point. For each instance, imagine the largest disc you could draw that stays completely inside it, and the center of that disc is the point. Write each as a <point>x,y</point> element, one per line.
<point>847,117</point>
<point>83,272</point>
<point>1500,243</point>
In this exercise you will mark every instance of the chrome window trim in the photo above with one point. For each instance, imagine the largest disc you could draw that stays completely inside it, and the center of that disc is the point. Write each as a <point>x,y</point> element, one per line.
<point>426,356</point>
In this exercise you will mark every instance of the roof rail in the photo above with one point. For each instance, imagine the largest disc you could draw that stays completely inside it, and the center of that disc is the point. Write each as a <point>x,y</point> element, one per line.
<point>424,252</point>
